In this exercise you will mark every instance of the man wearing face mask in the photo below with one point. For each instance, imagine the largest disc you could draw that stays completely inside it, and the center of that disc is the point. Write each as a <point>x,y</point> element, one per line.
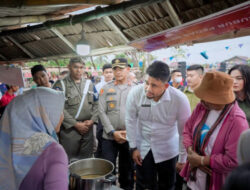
<point>177,80</point>
<point>212,132</point>
<point>155,117</point>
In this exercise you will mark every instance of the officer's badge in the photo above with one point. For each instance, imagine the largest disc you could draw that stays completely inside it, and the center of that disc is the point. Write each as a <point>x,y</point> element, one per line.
<point>111,98</point>
<point>101,91</point>
<point>111,90</point>
<point>117,61</point>
<point>111,105</point>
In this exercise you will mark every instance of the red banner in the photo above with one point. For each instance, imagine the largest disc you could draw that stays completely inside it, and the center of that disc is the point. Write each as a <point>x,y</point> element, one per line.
<point>232,19</point>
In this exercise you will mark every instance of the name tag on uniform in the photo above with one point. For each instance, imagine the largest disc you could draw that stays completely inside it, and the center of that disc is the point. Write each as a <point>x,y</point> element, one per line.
<point>111,93</point>
<point>146,105</point>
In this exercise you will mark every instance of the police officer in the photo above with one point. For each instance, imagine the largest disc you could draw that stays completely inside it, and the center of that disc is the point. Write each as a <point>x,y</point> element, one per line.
<point>112,105</point>
<point>80,112</point>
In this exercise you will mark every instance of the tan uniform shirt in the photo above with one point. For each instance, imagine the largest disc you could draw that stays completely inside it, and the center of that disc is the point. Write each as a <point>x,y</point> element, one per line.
<point>193,99</point>
<point>73,95</point>
<point>112,107</point>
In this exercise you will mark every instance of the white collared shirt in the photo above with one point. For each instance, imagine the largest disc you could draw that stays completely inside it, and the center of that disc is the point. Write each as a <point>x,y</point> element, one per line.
<point>157,125</point>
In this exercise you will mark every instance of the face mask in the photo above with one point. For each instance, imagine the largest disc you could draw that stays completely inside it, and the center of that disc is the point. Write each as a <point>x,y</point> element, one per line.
<point>178,79</point>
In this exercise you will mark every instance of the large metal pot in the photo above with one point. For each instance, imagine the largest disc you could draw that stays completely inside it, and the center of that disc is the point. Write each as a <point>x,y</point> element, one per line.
<point>91,174</point>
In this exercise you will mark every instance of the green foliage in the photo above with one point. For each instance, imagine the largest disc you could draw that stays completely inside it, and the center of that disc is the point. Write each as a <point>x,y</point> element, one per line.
<point>50,63</point>
<point>122,55</point>
<point>132,57</point>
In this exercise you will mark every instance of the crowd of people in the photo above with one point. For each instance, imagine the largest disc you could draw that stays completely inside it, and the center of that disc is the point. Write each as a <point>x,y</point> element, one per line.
<point>166,133</point>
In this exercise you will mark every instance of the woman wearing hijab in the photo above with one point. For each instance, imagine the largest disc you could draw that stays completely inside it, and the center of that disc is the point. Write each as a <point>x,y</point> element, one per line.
<point>211,134</point>
<point>241,87</point>
<point>30,156</point>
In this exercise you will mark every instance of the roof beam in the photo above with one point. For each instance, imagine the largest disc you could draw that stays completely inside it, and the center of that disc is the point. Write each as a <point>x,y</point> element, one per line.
<point>21,47</point>
<point>65,40</point>
<point>3,57</point>
<point>172,13</point>
<point>9,21</point>
<point>116,29</point>
<point>95,52</point>
<point>85,17</point>
<point>26,3</point>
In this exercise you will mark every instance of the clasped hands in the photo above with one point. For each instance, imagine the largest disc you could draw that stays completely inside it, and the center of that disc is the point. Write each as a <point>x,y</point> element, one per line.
<point>197,161</point>
<point>83,127</point>
<point>120,136</point>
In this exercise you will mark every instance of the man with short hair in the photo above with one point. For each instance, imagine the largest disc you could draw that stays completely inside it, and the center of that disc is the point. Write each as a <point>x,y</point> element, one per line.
<point>112,101</point>
<point>80,112</point>
<point>194,77</point>
<point>108,76</point>
<point>155,117</point>
<point>40,76</point>
<point>177,80</point>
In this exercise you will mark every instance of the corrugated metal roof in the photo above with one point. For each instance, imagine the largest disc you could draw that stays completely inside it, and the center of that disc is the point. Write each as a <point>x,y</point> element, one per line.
<point>134,24</point>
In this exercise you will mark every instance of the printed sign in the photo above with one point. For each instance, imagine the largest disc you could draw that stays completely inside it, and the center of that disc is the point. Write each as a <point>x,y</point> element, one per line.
<point>232,19</point>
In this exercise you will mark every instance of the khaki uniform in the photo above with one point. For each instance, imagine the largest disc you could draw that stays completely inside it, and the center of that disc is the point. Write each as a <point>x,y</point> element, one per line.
<point>112,107</point>
<point>75,144</point>
<point>193,99</point>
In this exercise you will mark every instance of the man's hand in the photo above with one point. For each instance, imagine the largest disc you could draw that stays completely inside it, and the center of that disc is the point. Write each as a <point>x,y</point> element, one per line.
<point>137,157</point>
<point>81,127</point>
<point>89,123</point>
<point>120,136</point>
<point>179,166</point>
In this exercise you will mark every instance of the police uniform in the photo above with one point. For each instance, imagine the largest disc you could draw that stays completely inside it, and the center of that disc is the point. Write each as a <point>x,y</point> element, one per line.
<point>75,144</point>
<point>112,108</point>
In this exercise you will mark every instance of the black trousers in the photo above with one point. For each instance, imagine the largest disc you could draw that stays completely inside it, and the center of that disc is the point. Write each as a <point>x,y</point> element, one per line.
<point>179,182</point>
<point>110,150</point>
<point>99,132</point>
<point>160,176</point>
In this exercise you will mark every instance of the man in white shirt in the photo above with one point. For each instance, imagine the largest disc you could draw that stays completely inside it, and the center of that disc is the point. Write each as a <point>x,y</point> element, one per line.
<point>155,117</point>
<point>108,76</point>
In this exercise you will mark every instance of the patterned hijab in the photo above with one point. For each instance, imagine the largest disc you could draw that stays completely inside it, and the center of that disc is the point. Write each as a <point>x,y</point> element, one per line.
<point>27,127</point>
<point>243,151</point>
